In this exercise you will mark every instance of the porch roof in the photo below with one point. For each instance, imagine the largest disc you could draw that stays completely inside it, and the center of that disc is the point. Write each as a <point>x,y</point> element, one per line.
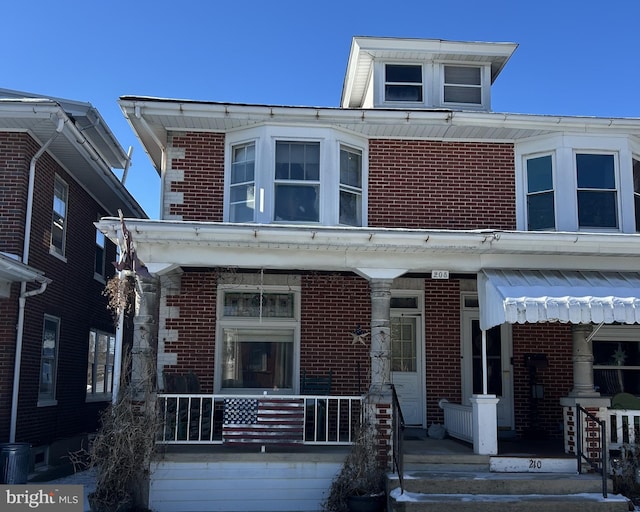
<point>578,297</point>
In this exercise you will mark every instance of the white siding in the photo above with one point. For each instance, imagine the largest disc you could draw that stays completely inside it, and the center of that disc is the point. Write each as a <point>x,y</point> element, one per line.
<point>240,486</point>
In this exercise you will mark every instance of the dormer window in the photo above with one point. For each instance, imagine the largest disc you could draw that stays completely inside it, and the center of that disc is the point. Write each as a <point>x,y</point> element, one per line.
<point>403,83</point>
<point>463,84</point>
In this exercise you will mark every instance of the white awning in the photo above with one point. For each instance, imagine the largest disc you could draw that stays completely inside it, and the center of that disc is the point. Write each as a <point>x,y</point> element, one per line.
<point>519,296</point>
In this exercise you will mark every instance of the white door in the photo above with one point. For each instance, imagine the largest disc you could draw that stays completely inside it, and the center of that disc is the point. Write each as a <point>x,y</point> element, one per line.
<point>499,370</point>
<point>407,356</point>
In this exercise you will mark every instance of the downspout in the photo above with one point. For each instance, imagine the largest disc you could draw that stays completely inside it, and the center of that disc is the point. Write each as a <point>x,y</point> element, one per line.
<point>24,294</point>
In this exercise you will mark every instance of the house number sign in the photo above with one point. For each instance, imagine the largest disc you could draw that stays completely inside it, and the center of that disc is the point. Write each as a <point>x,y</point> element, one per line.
<point>439,274</point>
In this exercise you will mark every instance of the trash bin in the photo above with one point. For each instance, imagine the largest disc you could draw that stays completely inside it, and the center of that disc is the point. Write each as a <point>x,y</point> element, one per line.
<point>14,463</point>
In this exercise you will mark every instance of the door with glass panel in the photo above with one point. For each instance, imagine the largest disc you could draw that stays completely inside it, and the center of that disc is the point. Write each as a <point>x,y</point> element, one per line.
<point>499,355</point>
<point>407,358</point>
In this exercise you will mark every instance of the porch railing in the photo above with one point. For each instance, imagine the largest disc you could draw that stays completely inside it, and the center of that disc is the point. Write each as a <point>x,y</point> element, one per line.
<point>398,435</point>
<point>623,426</point>
<point>458,420</point>
<point>591,439</point>
<point>215,419</point>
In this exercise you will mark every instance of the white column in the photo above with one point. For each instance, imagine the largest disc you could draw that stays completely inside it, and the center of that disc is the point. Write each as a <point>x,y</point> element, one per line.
<point>582,363</point>
<point>485,424</point>
<point>380,332</point>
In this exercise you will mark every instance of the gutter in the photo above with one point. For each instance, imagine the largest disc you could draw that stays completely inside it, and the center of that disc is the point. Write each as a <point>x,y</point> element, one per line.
<point>24,294</point>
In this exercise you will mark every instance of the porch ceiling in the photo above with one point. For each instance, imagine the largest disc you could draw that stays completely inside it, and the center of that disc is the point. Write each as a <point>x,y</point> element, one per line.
<point>519,296</point>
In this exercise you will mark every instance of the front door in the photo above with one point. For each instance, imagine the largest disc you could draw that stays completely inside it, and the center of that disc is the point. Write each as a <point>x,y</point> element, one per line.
<point>499,374</point>
<point>407,359</point>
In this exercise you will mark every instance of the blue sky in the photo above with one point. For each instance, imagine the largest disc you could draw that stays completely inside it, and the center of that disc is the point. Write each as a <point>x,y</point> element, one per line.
<point>574,57</point>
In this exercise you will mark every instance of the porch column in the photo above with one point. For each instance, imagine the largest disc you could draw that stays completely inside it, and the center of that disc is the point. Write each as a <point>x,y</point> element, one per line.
<point>485,424</point>
<point>145,335</point>
<point>380,333</point>
<point>582,362</point>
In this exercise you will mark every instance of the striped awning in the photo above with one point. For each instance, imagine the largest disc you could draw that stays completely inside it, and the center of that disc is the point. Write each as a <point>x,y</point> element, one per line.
<point>519,296</point>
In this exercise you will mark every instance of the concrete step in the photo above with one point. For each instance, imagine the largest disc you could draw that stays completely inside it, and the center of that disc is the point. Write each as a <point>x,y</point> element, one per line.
<point>485,482</point>
<point>417,502</point>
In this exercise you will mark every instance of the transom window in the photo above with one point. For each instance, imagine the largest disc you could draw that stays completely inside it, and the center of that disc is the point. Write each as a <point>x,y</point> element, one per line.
<point>403,82</point>
<point>540,200</point>
<point>259,333</point>
<point>597,196</point>
<point>59,216</point>
<point>463,84</point>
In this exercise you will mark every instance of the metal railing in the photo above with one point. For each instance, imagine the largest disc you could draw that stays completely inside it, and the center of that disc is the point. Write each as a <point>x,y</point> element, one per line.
<point>397,423</point>
<point>203,418</point>
<point>595,431</point>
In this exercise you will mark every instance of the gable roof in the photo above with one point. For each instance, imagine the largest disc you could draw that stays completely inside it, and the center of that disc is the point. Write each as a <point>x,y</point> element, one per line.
<point>85,147</point>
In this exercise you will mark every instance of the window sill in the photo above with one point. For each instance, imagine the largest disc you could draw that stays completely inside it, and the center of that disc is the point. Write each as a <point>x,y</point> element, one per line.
<point>47,403</point>
<point>55,253</point>
<point>99,277</point>
<point>99,397</point>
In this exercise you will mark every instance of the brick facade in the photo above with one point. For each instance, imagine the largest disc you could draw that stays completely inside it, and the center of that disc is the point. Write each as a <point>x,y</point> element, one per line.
<point>74,296</point>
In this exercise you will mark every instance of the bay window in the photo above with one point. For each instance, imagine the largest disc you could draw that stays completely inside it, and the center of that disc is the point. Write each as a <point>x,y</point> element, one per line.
<point>258,339</point>
<point>636,191</point>
<point>295,176</point>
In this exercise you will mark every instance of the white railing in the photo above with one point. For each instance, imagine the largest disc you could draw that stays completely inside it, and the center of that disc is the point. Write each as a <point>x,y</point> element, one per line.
<point>458,420</point>
<point>623,426</point>
<point>216,419</point>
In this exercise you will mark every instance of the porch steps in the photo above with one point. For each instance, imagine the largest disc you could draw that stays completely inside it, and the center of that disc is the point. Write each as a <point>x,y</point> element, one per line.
<point>465,482</point>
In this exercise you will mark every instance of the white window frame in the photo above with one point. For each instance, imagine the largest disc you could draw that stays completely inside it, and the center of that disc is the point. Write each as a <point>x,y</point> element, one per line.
<point>54,249</point>
<point>265,138</point>
<point>525,160</point>
<point>49,399</point>
<point>350,189</point>
<point>101,245</point>
<point>565,147</point>
<point>485,78</point>
<point>92,365</point>
<point>621,333</point>
<point>616,190</point>
<point>384,83</point>
<point>263,323</point>
<point>636,190</point>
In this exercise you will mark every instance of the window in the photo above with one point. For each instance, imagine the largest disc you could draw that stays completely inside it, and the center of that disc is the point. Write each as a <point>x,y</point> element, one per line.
<point>297,182</point>
<point>540,201</point>
<point>463,84</point>
<point>636,191</point>
<point>242,191</point>
<point>616,360</point>
<point>403,83</point>
<point>350,187</point>
<point>100,254</point>
<point>259,330</point>
<point>59,221</point>
<point>597,196</point>
<point>102,347</point>
<point>48,361</point>
<point>300,175</point>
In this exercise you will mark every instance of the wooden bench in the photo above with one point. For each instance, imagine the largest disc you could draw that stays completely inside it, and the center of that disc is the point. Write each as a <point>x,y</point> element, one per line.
<point>263,421</point>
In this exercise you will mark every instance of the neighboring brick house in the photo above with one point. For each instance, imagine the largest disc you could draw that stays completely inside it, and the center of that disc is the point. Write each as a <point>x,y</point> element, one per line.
<point>412,211</point>
<point>56,161</point>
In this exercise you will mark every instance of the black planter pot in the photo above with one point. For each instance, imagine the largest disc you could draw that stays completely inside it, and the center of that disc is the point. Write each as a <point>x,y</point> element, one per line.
<point>375,503</point>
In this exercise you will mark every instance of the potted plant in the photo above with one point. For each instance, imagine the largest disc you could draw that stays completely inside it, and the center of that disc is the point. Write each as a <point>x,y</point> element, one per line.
<point>360,484</point>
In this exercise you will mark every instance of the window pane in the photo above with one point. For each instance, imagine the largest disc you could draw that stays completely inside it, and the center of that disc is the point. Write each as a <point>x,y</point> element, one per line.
<point>403,93</point>
<point>596,171</point>
<point>403,344</point>
<point>298,161</point>
<point>242,191</point>
<point>636,191</point>
<point>261,359</point>
<point>91,362</point>
<point>597,209</point>
<point>462,75</point>
<point>350,208</point>
<point>540,211</point>
<point>539,174</point>
<point>48,359</point>
<point>248,304</point>
<point>350,168</point>
<point>608,357</point>
<point>403,73</point>
<point>453,94</point>
<point>296,203</point>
